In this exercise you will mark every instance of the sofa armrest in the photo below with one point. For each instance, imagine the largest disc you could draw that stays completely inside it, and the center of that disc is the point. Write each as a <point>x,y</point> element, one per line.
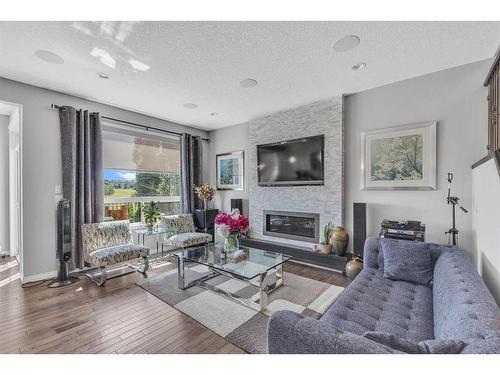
<point>292,333</point>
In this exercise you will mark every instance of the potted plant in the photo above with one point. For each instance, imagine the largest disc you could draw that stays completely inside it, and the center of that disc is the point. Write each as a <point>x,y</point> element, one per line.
<point>230,227</point>
<point>151,214</point>
<point>325,245</point>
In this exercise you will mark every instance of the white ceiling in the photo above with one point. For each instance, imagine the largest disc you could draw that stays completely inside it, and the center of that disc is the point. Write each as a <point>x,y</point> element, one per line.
<point>203,62</point>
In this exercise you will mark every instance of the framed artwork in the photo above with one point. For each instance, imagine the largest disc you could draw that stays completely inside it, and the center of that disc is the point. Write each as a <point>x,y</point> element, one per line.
<point>399,158</point>
<point>230,171</point>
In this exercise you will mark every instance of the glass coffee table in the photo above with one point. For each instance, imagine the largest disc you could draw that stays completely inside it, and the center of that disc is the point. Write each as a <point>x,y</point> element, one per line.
<point>254,266</point>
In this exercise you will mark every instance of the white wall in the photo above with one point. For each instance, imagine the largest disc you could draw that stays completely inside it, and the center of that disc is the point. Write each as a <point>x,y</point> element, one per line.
<point>4,184</point>
<point>456,99</point>
<point>321,117</point>
<point>42,164</point>
<point>486,224</point>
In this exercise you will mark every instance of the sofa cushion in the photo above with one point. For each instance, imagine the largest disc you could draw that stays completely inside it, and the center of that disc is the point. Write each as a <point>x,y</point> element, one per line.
<point>117,254</point>
<point>374,303</point>
<point>407,261</point>
<point>189,239</point>
<point>463,307</point>
<point>411,347</point>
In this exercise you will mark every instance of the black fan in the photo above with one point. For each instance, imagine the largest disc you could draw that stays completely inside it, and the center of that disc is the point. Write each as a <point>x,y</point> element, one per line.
<point>63,254</point>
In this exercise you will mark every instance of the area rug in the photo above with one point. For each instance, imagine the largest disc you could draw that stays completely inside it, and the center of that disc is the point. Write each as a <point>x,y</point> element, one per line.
<point>239,324</point>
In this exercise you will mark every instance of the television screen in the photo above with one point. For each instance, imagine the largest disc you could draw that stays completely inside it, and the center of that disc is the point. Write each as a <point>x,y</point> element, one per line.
<point>293,162</point>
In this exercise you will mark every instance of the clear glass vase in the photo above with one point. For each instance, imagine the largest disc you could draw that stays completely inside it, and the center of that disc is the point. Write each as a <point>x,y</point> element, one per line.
<point>231,243</point>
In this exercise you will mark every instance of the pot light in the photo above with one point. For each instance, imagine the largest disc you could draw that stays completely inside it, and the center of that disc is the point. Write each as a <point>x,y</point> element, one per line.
<point>359,66</point>
<point>248,83</point>
<point>190,106</point>
<point>49,57</point>
<point>213,114</point>
<point>346,43</point>
<point>103,75</point>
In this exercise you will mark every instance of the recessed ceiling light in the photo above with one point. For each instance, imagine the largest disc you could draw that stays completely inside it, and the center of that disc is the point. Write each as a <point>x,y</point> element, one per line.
<point>190,106</point>
<point>213,114</point>
<point>359,66</point>
<point>49,57</point>
<point>103,75</point>
<point>248,83</point>
<point>346,43</point>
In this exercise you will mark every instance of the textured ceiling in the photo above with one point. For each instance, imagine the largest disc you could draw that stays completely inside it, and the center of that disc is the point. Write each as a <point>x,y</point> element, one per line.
<point>157,67</point>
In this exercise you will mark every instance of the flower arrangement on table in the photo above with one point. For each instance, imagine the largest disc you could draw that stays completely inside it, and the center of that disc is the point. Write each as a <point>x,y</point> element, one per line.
<point>230,227</point>
<point>205,192</point>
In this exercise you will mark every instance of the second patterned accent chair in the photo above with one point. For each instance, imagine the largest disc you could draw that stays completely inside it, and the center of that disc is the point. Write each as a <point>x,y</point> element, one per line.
<point>185,233</point>
<point>110,243</point>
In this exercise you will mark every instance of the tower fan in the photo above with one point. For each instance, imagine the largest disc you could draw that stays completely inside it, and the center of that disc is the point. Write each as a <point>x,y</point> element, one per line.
<point>63,254</point>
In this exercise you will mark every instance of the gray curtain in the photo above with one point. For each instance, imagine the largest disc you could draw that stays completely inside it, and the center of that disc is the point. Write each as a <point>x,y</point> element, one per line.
<point>191,173</point>
<point>82,173</point>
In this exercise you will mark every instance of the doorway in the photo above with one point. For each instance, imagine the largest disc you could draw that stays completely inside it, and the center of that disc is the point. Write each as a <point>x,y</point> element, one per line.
<point>11,181</point>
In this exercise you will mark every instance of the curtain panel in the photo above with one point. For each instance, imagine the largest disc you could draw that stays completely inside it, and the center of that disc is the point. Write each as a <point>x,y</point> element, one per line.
<point>82,172</point>
<point>191,174</point>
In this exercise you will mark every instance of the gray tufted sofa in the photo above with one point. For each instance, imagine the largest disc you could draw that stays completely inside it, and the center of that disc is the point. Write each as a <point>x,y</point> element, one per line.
<point>456,306</point>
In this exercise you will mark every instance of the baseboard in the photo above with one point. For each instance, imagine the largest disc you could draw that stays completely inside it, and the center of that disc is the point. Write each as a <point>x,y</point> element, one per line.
<point>39,277</point>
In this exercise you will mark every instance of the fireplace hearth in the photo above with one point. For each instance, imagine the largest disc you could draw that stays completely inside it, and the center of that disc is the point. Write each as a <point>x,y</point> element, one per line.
<point>300,226</point>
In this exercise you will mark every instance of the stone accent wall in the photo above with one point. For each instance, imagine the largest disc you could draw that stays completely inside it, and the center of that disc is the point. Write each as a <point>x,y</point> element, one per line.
<point>322,117</point>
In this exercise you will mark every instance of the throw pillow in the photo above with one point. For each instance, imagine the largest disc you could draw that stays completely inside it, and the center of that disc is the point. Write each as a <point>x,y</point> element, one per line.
<point>448,346</point>
<point>393,342</point>
<point>407,261</point>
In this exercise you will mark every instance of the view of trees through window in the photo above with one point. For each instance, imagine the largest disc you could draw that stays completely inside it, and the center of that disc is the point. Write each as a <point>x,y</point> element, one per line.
<point>126,190</point>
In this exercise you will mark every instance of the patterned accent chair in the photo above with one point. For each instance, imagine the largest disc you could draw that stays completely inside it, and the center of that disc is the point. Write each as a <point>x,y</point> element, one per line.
<point>185,233</point>
<point>110,243</point>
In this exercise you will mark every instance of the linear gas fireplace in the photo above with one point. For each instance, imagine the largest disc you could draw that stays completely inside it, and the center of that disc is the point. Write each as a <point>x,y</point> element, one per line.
<point>300,226</point>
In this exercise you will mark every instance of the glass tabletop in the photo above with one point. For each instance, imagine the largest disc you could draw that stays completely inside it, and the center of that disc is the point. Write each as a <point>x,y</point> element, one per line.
<point>247,262</point>
<point>154,231</point>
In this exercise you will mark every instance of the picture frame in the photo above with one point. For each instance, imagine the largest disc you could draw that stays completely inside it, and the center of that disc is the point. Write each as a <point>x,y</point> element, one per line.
<point>230,171</point>
<point>399,158</point>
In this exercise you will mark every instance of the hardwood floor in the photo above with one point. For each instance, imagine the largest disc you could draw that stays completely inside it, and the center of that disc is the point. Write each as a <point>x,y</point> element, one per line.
<point>118,318</point>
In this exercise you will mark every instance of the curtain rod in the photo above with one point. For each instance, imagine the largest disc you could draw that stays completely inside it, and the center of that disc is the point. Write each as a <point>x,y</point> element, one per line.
<point>55,106</point>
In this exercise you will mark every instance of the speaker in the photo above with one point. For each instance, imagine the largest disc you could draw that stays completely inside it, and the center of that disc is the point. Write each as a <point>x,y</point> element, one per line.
<point>359,232</point>
<point>63,254</point>
<point>237,203</point>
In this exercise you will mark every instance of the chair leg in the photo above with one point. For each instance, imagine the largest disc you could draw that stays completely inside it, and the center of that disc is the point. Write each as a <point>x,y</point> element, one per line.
<point>146,265</point>
<point>100,279</point>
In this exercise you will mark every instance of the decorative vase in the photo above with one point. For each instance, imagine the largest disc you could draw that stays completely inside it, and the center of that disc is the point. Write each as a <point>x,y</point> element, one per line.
<point>353,268</point>
<point>339,241</point>
<point>325,248</point>
<point>231,243</point>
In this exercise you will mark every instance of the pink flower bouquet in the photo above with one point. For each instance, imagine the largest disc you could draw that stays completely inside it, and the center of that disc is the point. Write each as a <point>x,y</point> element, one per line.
<point>231,224</point>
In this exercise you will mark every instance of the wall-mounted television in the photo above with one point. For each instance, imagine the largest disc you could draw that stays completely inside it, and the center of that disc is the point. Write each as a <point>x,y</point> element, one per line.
<point>292,162</point>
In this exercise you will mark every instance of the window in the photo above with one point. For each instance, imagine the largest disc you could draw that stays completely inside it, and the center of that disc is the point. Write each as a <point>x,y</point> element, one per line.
<point>139,167</point>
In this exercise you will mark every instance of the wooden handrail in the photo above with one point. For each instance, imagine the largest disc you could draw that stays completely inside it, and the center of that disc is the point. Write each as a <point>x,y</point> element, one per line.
<point>493,83</point>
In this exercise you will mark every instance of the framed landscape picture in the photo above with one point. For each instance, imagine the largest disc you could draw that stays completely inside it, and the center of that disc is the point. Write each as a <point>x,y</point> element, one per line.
<point>401,157</point>
<point>230,171</point>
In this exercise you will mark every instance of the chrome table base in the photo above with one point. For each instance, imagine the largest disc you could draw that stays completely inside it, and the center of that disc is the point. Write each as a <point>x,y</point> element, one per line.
<point>262,282</point>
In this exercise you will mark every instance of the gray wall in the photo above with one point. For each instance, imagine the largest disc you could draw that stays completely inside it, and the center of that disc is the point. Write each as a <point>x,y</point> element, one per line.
<point>232,138</point>
<point>456,99</point>
<point>41,155</point>
<point>4,183</point>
